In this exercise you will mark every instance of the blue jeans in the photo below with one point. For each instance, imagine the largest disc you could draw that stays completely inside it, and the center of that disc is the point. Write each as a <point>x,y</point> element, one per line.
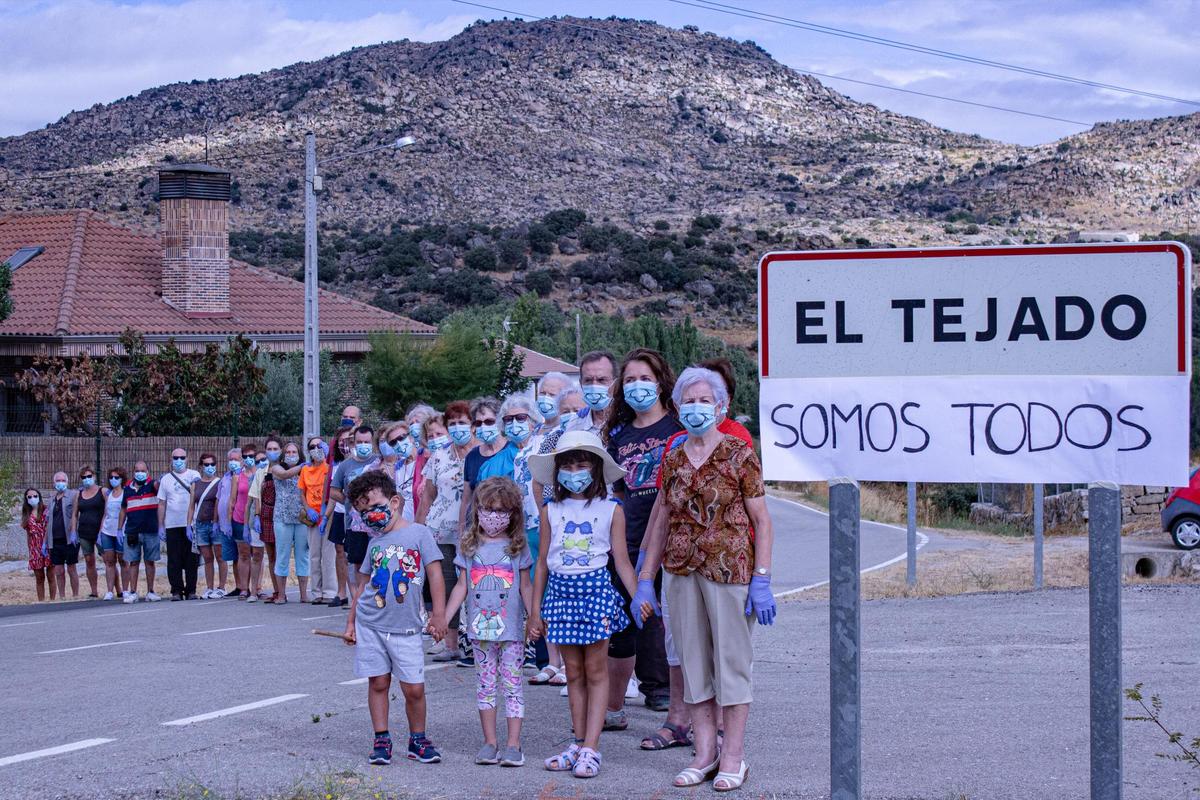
<point>289,535</point>
<point>108,543</point>
<point>148,548</point>
<point>206,534</point>
<point>229,542</point>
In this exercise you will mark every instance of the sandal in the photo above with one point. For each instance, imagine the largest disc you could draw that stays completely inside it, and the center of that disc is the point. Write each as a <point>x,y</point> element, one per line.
<point>588,765</point>
<point>561,678</point>
<point>545,675</point>
<point>694,777</point>
<point>615,721</point>
<point>680,737</point>
<point>564,761</point>
<point>733,780</point>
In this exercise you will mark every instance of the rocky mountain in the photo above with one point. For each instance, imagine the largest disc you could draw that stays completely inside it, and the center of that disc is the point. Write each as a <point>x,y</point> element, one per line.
<point>632,122</point>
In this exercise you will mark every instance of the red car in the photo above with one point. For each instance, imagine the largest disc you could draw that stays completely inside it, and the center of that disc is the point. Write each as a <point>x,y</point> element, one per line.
<point>1181,514</point>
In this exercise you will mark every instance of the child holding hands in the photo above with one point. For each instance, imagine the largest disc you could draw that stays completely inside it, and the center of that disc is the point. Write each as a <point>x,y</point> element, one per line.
<point>387,614</point>
<point>493,562</point>
<point>574,602</point>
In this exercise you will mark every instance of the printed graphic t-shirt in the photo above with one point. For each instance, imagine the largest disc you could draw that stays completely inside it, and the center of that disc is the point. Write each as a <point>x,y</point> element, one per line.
<point>396,563</point>
<point>639,452</point>
<point>494,604</point>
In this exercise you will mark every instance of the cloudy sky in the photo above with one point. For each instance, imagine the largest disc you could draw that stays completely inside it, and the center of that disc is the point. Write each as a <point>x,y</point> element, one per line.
<point>61,55</point>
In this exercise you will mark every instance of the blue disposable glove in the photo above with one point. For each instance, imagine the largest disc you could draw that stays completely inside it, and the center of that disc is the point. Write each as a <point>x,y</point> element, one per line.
<point>313,516</point>
<point>643,595</point>
<point>190,535</point>
<point>324,524</point>
<point>641,559</point>
<point>45,550</point>
<point>761,601</point>
<point>73,537</point>
<point>162,534</point>
<point>258,526</point>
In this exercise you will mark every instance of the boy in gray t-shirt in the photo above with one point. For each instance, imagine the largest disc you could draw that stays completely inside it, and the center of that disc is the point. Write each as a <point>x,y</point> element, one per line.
<point>387,614</point>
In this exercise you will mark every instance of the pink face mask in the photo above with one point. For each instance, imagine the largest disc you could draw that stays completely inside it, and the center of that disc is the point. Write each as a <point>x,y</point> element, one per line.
<point>494,522</point>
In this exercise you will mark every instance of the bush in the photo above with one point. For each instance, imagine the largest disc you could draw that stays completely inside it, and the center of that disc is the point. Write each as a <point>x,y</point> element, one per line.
<point>512,253</point>
<point>467,287</point>
<point>541,239</point>
<point>564,221</point>
<point>540,281</point>
<point>662,225</point>
<point>954,499</point>
<point>481,259</point>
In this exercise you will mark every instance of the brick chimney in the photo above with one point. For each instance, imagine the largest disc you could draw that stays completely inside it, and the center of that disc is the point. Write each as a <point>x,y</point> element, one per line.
<point>194,220</point>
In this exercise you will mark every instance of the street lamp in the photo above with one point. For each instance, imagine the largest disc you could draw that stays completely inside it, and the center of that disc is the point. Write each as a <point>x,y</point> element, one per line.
<point>312,329</point>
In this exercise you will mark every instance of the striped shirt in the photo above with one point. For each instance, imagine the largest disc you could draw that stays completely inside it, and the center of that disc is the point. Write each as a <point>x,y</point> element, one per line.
<point>141,507</point>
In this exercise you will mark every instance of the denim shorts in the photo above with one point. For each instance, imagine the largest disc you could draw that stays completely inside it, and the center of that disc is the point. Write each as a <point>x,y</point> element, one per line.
<point>206,534</point>
<point>109,544</point>
<point>148,548</point>
<point>229,542</point>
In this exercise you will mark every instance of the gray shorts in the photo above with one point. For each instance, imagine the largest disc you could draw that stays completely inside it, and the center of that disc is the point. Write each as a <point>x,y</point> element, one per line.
<point>378,653</point>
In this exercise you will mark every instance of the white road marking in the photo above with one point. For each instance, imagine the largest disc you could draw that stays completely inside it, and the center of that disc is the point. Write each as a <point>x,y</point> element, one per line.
<point>431,668</point>
<point>323,616</point>
<point>87,647</point>
<point>52,751</point>
<point>922,540</point>
<point>221,630</point>
<point>225,712</point>
<point>19,624</point>
<point>123,613</point>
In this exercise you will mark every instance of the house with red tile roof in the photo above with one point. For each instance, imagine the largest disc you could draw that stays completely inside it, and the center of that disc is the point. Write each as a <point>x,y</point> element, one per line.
<point>79,280</point>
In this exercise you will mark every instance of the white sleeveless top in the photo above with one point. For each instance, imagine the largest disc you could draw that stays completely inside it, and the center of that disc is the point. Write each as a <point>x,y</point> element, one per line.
<point>112,510</point>
<point>580,535</point>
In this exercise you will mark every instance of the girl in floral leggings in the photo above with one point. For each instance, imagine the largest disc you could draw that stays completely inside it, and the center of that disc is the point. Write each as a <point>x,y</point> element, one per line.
<point>493,579</point>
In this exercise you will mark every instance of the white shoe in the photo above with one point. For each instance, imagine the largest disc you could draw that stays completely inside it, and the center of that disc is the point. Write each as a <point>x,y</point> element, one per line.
<point>436,648</point>
<point>130,597</point>
<point>108,596</point>
<point>208,595</point>
<point>151,597</point>
<point>217,594</point>
<point>253,598</point>
<point>562,692</point>
<point>631,691</point>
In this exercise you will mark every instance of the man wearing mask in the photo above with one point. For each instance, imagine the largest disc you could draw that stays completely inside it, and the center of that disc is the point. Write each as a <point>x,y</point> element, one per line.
<point>549,388</point>
<point>62,540</point>
<point>174,497</point>
<point>362,454</point>
<point>139,519</point>
<point>597,371</point>
<point>351,416</point>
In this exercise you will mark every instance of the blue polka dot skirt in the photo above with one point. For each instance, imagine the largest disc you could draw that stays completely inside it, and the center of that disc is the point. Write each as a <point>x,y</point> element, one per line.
<point>582,609</point>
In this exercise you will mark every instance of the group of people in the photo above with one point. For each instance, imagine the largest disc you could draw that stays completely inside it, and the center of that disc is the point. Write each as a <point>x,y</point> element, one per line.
<point>600,528</point>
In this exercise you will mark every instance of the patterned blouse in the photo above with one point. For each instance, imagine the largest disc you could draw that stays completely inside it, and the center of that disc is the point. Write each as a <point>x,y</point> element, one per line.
<point>708,529</point>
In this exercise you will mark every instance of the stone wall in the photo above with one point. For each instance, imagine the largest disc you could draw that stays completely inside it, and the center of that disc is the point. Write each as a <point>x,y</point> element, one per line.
<point>1140,507</point>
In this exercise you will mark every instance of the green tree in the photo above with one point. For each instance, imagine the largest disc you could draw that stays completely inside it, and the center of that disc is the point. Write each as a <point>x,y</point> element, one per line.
<point>6,305</point>
<point>401,371</point>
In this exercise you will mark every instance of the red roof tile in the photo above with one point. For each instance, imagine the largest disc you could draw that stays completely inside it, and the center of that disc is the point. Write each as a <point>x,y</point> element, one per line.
<point>538,364</point>
<point>96,278</point>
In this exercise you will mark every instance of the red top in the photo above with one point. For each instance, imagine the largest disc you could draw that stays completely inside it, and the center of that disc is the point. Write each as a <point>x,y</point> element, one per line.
<point>728,426</point>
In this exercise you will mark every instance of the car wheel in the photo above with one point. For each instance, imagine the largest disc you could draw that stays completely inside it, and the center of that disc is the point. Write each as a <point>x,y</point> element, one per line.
<point>1186,533</point>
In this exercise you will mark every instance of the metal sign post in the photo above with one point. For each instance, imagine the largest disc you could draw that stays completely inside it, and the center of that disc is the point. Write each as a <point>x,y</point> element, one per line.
<point>312,335</point>
<point>1104,637</point>
<point>845,682</point>
<point>1039,524</point>
<point>912,534</point>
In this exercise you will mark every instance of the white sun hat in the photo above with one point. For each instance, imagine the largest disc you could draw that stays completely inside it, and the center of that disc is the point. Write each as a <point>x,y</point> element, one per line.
<point>541,466</point>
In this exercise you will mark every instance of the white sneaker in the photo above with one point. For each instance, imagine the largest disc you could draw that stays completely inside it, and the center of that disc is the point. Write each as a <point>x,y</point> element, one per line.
<point>253,598</point>
<point>208,595</point>
<point>562,692</point>
<point>130,597</point>
<point>631,691</point>
<point>217,594</point>
<point>151,597</point>
<point>436,648</point>
<point>108,596</point>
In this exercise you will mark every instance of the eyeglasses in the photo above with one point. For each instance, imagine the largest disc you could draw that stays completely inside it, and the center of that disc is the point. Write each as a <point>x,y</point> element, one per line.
<point>87,475</point>
<point>515,418</point>
<point>479,422</point>
<point>396,442</point>
<point>208,463</point>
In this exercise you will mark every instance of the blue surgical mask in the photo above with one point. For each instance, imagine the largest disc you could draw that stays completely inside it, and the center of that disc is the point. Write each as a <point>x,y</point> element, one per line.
<point>363,449</point>
<point>178,464</point>
<point>487,433</point>
<point>114,483</point>
<point>640,395</point>
<point>248,461</point>
<point>234,466</point>
<point>88,483</point>
<point>347,422</point>
<point>517,431</point>
<point>60,486</point>
<point>416,431</point>
<point>209,469</point>
<point>140,477</point>
<point>262,464</point>
<point>575,481</point>
<point>548,405</point>
<point>439,443</point>
<point>403,448</point>
<point>596,397</point>
<point>273,455</point>
<point>460,433</point>
<point>697,418</point>
<point>386,450</point>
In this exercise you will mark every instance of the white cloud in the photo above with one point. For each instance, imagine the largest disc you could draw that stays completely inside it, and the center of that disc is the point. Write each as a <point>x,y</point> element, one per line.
<point>64,56</point>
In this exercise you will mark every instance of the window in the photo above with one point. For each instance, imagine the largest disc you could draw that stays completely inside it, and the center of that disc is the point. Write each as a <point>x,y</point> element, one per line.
<point>23,255</point>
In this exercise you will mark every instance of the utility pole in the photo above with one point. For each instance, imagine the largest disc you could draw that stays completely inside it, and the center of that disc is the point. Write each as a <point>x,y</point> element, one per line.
<point>312,342</point>
<point>578,340</point>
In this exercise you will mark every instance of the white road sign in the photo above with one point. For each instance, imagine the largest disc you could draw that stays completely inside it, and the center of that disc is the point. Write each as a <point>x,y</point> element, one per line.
<point>1057,363</point>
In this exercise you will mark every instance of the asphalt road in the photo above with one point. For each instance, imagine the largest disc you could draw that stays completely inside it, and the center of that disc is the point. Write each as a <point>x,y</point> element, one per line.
<point>983,695</point>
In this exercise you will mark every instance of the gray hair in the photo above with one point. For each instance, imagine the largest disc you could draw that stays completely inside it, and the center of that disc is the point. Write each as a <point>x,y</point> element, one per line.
<point>693,375</point>
<point>520,402</point>
<point>490,403</point>
<point>572,388</point>
<point>554,376</point>
<point>420,410</point>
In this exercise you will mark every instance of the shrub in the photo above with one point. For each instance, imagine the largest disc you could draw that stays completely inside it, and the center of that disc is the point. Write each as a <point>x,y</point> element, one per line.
<point>541,239</point>
<point>467,287</point>
<point>954,499</point>
<point>540,281</point>
<point>564,221</point>
<point>481,259</point>
<point>662,225</point>
<point>512,253</point>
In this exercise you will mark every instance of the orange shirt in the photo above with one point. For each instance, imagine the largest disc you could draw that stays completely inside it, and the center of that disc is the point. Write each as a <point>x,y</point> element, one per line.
<point>312,482</point>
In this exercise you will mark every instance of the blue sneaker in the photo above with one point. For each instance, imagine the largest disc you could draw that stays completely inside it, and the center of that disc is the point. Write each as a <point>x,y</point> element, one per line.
<point>423,750</point>
<point>382,752</point>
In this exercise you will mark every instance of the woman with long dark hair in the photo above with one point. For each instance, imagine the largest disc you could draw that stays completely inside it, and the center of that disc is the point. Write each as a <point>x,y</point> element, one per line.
<point>33,521</point>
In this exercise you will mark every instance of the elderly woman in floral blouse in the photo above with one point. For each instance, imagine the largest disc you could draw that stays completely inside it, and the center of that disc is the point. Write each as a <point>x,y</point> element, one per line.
<point>714,540</point>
